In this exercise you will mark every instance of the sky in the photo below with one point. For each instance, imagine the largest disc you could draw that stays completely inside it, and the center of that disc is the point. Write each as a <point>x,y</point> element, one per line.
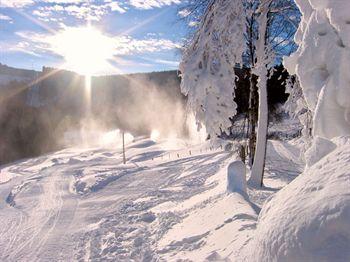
<point>92,36</point>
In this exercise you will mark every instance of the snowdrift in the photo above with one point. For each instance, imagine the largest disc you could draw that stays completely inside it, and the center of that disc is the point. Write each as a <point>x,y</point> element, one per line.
<point>322,64</point>
<point>309,220</point>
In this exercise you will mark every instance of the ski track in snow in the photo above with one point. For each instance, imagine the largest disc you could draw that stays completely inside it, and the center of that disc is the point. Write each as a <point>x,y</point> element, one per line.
<point>85,205</point>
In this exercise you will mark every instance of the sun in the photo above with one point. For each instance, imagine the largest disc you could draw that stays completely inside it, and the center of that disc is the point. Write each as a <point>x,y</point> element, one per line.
<point>86,50</point>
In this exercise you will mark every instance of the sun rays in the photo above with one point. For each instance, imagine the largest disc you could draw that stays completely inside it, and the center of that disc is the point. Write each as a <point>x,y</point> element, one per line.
<point>84,49</point>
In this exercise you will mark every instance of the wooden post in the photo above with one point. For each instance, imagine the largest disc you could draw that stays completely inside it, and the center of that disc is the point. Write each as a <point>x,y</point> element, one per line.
<point>124,159</point>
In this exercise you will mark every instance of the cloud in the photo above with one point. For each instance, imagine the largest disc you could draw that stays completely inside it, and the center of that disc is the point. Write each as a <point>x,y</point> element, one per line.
<point>22,46</point>
<point>167,62</point>
<point>6,18</point>
<point>65,1</point>
<point>150,4</point>
<point>39,43</point>
<point>127,45</point>
<point>115,6</point>
<point>41,13</point>
<point>15,3</point>
<point>184,13</point>
<point>193,23</point>
<point>79,10</point>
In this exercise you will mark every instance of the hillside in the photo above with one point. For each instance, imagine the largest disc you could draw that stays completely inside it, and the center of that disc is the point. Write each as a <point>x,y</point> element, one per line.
<point>168,202</point>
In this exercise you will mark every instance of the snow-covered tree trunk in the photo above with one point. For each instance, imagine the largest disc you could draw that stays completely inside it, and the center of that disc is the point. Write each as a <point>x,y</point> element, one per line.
<point>251,122</point>
<point>257,172</point>
<point>261,70</point>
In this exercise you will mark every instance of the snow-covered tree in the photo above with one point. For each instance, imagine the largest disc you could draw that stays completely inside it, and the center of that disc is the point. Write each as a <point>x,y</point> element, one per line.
<point>264,57</point>
<point>228,31</point>
<point>207,67</point>
<point>296,105</point>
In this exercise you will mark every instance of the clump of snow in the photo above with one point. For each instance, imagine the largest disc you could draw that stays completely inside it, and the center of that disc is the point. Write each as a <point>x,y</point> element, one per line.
<point>308,220</point>
<point>320,147</point>
<point>322,64</point>
<point>236,178</point>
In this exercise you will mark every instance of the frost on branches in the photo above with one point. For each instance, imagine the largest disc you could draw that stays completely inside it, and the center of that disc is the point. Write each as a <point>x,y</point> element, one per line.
<point>297,107</point>
<point>207,67</point>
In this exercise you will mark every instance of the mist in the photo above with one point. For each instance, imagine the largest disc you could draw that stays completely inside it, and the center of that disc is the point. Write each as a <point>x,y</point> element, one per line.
<point>140,107</point>
<point>56,113</point>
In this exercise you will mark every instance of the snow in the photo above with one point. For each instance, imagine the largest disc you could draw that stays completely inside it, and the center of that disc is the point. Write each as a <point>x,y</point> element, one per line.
<point>170,201</point>
<point>180,200</point>
<point>207,67</point>
<point>264,59</point>
<point>322,63</point>
<point>320,147</point>
<point>236,178</point>
<point>308,220</point>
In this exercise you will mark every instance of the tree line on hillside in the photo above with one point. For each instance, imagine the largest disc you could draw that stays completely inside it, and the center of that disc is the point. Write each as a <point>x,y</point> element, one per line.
<point>31,127</point>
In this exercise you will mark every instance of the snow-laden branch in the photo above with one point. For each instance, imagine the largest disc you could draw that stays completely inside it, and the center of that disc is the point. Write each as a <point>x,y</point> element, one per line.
<point>207,67</point>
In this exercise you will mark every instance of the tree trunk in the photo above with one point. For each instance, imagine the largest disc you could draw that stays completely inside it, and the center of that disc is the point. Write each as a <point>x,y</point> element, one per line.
<point>257,173</point>
<point>256,178</point>
<point>252,121</point>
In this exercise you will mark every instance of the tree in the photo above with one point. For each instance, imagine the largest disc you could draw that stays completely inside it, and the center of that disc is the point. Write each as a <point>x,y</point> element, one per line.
<point>263,52</point>
<point>296,105</point>
<point>208,65</point>
<point>247,33</point>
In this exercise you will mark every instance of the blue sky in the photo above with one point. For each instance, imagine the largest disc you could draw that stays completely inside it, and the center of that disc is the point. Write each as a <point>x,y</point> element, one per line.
<point>131,35</point>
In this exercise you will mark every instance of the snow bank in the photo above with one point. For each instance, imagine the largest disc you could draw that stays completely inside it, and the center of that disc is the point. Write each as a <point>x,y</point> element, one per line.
<point>320,147</point>
<point>309,220</point>
<point>322,64</point>
<point>236,178</point>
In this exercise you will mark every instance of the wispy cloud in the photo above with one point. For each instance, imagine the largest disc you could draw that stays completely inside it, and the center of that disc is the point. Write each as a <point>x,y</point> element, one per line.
<point>167,62</point>
<point>149,4</point>
<point>15,3</point>
<point>37,43</point>
<point>184,13</point>
<point>83,11</point>
<point>6,18</point>
<point>114,5</point>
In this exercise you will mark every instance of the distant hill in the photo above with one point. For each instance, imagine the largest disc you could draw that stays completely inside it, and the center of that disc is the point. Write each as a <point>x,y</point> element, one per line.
<point>8,74</point>
<point>37,109</point>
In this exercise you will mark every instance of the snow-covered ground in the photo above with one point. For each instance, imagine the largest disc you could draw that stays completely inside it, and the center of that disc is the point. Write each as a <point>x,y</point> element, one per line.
<point>168,202</point>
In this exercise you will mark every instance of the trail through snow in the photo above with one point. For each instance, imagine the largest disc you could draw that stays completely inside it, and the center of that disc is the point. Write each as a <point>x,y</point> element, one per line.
<point>166,203</point>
